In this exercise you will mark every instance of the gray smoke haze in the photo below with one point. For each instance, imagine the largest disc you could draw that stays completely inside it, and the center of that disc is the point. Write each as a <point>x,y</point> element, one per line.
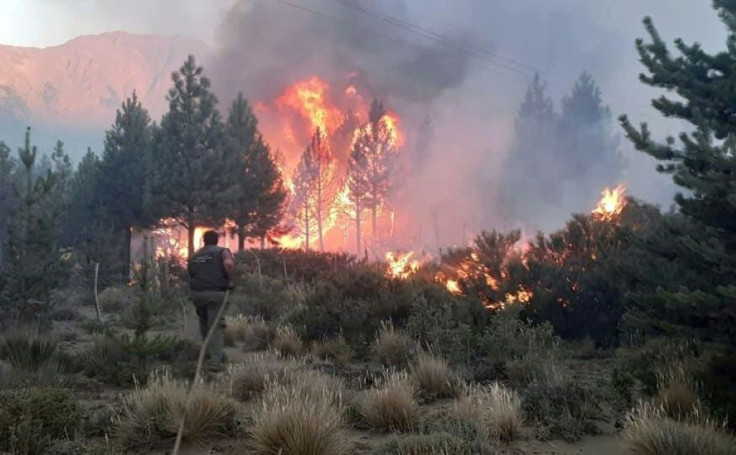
<point>265,45</point>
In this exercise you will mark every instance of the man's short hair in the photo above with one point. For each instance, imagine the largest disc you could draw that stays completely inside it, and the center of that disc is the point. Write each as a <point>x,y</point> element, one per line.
<point>210,238</point>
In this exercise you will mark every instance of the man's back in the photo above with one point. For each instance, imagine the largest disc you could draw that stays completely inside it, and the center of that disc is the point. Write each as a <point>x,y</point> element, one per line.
<point>207,269</point>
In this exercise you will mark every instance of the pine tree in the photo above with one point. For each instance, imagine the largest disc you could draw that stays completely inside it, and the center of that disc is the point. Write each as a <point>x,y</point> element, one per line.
<point>371,166</point>
<point>530,177</point>
<point>261,196</point>
<point>7,173</point>
<point>315,187</point>
<point>702,162</point>
<point>32,265</point>
<point>190,176</point>
<point>122,173</point>
<point>586,140</point>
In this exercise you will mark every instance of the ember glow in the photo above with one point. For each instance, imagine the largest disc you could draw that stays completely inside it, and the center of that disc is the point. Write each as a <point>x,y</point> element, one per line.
<point>401,266</point>
<point>611,204</point>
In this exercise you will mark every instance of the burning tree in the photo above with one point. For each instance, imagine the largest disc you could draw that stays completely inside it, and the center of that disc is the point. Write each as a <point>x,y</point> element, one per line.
<point>315,187</point>
<point>372,162</point>
<point>190,177</point>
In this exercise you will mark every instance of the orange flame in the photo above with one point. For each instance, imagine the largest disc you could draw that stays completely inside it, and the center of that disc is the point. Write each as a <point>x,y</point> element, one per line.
<point>611,204</point>
<point>401,266</point>
<point>309,98</point>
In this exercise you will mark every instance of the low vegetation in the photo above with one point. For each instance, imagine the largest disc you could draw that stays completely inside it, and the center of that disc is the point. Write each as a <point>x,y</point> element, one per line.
<point>392,405</point>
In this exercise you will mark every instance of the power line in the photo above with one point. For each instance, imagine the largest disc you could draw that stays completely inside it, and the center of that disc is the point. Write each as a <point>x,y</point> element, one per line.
<point>514,73</point>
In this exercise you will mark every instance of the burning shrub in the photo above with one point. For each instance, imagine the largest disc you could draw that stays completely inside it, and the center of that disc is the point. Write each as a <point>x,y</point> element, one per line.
<point>287,342</point>
<point>391,406</point>
<point>31,419</point>
<point>392,347</point>
<point>251,377</point>
<point>301,416</point>
<point>434,378</point>
<point>650,432</point>
<point>495,409</point>
<point>151,415</point>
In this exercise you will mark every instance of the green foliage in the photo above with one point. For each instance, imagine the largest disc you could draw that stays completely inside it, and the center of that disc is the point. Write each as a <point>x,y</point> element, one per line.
<point>190,163</point>
<point>123,360</point>
<point>290,264</point>
<point>31,419</point>
<point>564,409</point>
<point>262,296</point>
<point>32,264</point>
<point>261,196</point>
<point>353,302</point>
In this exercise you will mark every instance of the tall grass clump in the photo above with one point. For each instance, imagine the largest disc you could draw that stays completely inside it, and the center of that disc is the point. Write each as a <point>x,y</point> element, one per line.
<point>676,393</point>
<point>151,416</point>
<point>287,342</point>
<point>392,347</point>
<point>434,378</point>
<point>250,378</point>
<point>392,406</point>
<point>333,349</point>
<point>651,432</point>
<point>303,416</point>
<point>494,408</point>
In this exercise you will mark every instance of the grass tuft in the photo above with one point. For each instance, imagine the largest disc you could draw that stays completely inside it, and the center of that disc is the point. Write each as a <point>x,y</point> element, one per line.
<point>392,406</point>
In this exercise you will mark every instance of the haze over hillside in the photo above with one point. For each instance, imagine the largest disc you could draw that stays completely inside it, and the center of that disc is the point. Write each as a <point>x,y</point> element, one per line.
<point>70,92</point>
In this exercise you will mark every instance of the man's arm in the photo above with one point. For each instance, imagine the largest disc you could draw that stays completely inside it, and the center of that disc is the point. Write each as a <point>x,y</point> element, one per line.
<point>229,263</point>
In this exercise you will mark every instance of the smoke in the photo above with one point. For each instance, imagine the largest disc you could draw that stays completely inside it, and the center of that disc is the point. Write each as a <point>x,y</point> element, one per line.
<point>464,66</point>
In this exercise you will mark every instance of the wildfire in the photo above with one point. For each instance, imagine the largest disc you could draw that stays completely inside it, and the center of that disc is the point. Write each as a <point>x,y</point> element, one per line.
<point>310,99</point>
<point>612,203</point>
<point>401,266</point>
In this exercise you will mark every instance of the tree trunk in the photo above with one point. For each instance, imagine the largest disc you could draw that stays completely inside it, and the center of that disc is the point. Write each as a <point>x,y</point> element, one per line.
<point>241,238</point>
<point>319,217</point>
<point>357,227</point>
<point>374,222</point>
<point>190,236</point>
<point>263,242</point>
<point>125,253</point>
<point>306,228</point>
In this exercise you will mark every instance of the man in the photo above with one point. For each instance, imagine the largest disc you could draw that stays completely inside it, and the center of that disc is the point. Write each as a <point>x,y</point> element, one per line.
<point>211,272</point>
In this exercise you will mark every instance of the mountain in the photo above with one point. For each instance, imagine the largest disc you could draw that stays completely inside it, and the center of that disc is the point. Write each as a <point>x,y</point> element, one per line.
<point>71,91</point>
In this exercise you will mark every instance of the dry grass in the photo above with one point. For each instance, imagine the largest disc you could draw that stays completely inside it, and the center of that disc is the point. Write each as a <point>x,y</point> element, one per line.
<point>392,347</point>
<point>651,432</point>
<point>676,393</point>
<point>287,342</point>
<point>117,298</point>
<point>391,406</point>
<point>151,415</point>
<point>434,378</point>
<point>333,350</point>
<point>303,416</point>
<point>494,408</point>
<point>252,331</point>
<point>250,378</point>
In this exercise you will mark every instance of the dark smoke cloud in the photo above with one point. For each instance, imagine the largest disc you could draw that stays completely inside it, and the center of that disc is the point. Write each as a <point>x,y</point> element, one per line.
<point>265,45</point>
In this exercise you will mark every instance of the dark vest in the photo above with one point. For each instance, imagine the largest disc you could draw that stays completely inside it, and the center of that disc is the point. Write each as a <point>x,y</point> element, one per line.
<point>206,270</point>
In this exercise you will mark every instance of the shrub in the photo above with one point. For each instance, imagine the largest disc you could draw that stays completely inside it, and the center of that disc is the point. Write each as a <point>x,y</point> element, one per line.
<point>333,350</point>
<point>676,394</point>
<point>651,432</point>
<point>151,415</point>
<point>563,409</point>
<point>302,417</point>
<point>533,367</point>
<point>437,443</point>
<point>296,264</point>
<point>392,405</point>
<point>507,337</point>
<point>31,419</point>
<point>117,298</point>
<point>496,409</point>
<point>27,350</point>
<point>263,297</point>
<point>253,331</point>
<point>287,342</point>
<point>392,347</point>
<point>434,378</point>
<point>250,378</point>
